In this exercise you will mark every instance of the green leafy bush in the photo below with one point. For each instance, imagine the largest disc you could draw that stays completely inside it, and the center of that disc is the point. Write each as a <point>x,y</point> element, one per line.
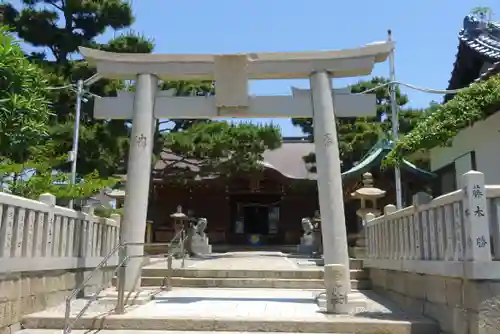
<point>470,105</point>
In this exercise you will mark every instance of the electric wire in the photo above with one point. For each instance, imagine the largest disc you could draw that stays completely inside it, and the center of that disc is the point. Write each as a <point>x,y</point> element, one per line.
<point>414,87</point>
<point>425,90</point>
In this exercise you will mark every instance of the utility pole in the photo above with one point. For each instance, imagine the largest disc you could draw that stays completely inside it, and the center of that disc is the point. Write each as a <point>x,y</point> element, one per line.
<point>73,155</point>
<point>395,121</point>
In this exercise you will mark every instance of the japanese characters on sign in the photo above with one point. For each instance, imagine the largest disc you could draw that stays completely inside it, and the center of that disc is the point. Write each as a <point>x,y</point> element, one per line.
<point>481,242</point>
<point>141,141</point>
<point>475,217</point>
<point>328,139</point>
<point>476,191</point>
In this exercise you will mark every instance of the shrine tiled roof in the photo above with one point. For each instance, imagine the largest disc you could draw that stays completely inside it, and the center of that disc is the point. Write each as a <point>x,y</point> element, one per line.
<point>484,38</point>
<point>495,69</point>
<point>479,45</point>
<point>376,155</point>
<point>287,160</point>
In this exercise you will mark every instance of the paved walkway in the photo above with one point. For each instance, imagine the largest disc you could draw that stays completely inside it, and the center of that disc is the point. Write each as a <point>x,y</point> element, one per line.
<point>219,303</point>
<point>242,310</point>
<point>239,309</point>
<point>239,261</point>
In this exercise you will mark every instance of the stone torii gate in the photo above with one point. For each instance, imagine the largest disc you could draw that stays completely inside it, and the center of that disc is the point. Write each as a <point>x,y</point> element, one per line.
<point>231,73</point>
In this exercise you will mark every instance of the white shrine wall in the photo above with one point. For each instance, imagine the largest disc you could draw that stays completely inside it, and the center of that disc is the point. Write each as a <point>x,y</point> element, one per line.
<point>482,139</point>
<point>46,251</point>
<point>441,257</point>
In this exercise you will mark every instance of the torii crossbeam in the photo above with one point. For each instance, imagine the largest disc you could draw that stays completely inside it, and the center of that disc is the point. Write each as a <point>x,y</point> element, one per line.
<point>297,105</point>
<point>231,73</point>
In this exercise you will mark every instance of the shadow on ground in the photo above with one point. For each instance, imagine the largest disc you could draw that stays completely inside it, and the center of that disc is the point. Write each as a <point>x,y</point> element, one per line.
<point>188,300</point>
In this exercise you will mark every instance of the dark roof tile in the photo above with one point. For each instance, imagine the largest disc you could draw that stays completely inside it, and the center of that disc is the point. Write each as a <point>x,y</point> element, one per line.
<point>476,39</point>
<point>287,160</point>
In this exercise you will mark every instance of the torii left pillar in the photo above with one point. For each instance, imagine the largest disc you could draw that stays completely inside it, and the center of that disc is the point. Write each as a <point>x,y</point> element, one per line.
<point>138,178</point>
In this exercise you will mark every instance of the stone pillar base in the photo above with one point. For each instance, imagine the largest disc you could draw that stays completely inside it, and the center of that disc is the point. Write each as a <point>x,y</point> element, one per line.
<point>338,287</point>
<point>352,306</point>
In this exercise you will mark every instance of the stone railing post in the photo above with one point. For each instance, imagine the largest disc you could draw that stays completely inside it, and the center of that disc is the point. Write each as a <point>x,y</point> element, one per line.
<point>48,231</point>
<point>420,225</point>
<point>495,223</point>
<point>387,228</point>
<point>87,231</point>
<point>115,235</point>
<point>149,232</point>
<point>476,220</point>
<point>370,235</point>
<point>6,231</point>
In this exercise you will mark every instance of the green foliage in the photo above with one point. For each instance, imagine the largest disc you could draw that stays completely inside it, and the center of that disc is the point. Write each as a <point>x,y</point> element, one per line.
<point>107,212</point>
<point>60,27</point>
<point>358,135</point>
<point>63,25</point>
<point>218,148</point>
<point>182,88</point>
<point>35,177</point>
<point>484,13</point>
<point>24,112</point>
<point>26,153</point>
<point>470,105</point>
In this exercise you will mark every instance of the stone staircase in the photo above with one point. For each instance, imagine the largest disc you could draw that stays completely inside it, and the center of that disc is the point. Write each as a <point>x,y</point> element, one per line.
<point>299,278</point>
<point>221,297</point>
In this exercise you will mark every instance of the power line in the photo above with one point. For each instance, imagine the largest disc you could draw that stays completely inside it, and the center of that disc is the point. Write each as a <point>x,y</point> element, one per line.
<point>422,89</point>
<point>425,90</point>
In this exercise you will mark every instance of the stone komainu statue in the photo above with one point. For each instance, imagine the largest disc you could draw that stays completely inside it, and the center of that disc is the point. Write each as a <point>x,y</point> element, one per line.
<point>307,226</point>
<point>200,227</point>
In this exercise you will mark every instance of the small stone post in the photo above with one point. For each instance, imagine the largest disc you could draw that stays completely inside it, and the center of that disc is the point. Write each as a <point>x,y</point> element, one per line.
<point>369,235</point>
<point>388,209</point>
<point>421,235</point>
<point>116,231</point>
<point>48,236</point>
<point>477,231</point>
<point>149,232</point>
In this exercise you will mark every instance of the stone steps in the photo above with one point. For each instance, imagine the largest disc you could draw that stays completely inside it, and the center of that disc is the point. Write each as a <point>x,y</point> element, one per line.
<point>172,325</point>
<point>237,310</point>
<point>129,331</point>
<point>254,282</point>
<point>244,273</point>
<point>297,278</point>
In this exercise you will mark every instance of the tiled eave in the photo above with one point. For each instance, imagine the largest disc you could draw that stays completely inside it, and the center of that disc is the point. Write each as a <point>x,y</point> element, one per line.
<point>473,44</point>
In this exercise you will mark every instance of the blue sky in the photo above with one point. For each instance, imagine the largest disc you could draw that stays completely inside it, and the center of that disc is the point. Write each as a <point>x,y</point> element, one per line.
<point>425,32</point>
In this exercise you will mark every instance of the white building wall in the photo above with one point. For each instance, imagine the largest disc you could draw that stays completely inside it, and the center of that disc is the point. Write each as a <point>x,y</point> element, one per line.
<point>484,139</point>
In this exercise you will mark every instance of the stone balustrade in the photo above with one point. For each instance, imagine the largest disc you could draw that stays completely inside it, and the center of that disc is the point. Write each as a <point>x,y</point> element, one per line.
<point>454,235</point>
<point>41,235</point>
<point>441,257</point>
<point>46,251</point>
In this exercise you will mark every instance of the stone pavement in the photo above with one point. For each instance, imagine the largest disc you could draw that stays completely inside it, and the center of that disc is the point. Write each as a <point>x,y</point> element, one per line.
<point>259,269</point>
<point>239,309</point>
<point>236,261</point>
<point>252,310</point>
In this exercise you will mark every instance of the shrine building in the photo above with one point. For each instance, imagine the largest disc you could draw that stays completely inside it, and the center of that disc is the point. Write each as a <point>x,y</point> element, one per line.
<point>269,203</point>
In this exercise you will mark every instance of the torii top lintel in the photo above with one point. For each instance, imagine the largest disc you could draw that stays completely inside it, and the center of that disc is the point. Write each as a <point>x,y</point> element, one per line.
<point>280,65</point>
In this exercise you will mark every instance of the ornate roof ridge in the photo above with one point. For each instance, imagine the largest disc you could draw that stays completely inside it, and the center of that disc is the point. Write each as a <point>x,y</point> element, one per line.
<point>480,37</point>
<point>473,26</point>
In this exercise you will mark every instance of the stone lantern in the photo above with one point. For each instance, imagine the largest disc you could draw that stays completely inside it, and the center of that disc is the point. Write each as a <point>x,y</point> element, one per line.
<point>180,222</point>
<point>179,219</point>
<point>368,196</point>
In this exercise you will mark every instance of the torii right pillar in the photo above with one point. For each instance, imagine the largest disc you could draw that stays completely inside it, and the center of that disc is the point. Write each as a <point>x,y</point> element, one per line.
<point>331,201</point>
